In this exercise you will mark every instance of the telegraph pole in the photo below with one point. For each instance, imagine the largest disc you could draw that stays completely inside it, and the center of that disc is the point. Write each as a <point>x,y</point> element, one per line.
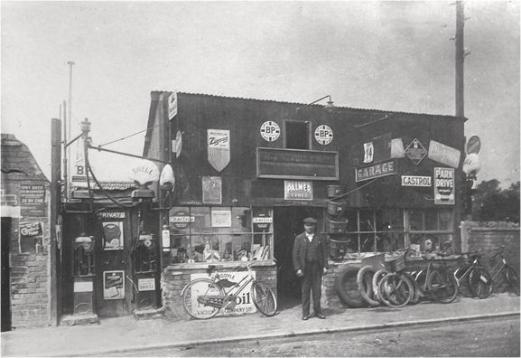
<point>460,58</point>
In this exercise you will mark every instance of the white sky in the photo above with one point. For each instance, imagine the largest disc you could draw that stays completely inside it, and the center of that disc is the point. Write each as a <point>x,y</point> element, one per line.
<point>384,55</point>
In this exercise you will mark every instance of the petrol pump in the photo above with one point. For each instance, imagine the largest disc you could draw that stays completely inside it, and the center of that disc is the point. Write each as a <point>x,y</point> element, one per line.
<point>83,274</point>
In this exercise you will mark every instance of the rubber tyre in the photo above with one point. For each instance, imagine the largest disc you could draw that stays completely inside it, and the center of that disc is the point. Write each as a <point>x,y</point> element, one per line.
<point>347,289</point>
<point>442,280</point>
<point>395,283</point>
<point>512,278</point>
<point>377,277</point>
<point>187,298</point>
<point>417,294</point>
<point>364,280</point>
<point>480,283</point>
<point>264,299</point>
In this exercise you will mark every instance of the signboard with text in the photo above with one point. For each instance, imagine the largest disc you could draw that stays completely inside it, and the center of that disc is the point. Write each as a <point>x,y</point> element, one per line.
<point>444,154</point>
<point>416,180</point>
<point>444,186</point>
<point>298,190</point>
<point>32,199</point>
<point>375,171</point>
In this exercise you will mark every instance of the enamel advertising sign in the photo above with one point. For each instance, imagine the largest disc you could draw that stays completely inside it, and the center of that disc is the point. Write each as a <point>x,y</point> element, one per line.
<point>444,154</point>
<point>375,171</point>
<point>416,180</point>
<point>218,148</point>
<point>324,134</point>
<point>270,131</point>
<point>444,186</point>
<point>415,151</point>
<point>298,190</point>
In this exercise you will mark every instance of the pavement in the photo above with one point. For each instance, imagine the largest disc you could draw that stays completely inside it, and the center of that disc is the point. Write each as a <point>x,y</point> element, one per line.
<point>117,335</point>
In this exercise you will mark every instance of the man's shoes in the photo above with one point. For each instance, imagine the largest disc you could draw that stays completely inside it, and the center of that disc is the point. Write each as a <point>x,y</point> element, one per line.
<point>305,317</point>
<point>320,315</point>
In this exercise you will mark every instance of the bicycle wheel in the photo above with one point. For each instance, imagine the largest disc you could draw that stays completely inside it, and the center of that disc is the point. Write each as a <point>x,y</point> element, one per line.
<point>377,277</point>
<point>364,280</point>
<point>202,298</point>
<point>480,282</point>
<point>512,278</point>
<point>395,290</point>
<point>442,286</point>
<point>264,299</point>
<point>417,295</point>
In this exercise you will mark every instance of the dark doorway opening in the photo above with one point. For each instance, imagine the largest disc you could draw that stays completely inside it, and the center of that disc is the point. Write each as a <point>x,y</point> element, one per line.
<point>6,289</point>
<point>288,224</point>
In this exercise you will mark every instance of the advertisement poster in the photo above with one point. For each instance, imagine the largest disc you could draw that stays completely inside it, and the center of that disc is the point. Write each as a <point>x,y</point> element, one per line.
<point>221,217</point>
<point>218,148</point>
<point>113,235</point>
<point>444,186</point>
<point>113,285</point>
<point>30,239</point>
<point>32,199</point>
<point>243,303</point>
<point>212,190</point>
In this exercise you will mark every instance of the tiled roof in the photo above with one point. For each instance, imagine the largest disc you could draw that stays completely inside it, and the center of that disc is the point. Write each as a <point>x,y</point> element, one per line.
<point>17,160</point>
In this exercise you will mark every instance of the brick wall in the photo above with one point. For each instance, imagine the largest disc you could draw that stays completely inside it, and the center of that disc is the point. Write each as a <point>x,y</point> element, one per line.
<point>173,279</point>
<point>487,236</point>
<point>29,270</point>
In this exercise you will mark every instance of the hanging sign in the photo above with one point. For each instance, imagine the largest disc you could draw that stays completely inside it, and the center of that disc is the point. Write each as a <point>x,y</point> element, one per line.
<point>212,190</point>
<point>218,148</point>
<point>113,285</point>
<point>444,186</point>
<point>444,154</point>
<point>375,171</point>
<point>243,302</point>
<point>270,131</point>
<point>324,134</point>
<point>415,180</point>
<point>298,190</point>
<point>112,235</point>
<point>368,152</point>
<point>415,151</point>
<point>221,217</point>
<point>172,105</point>
<point>474,145</point>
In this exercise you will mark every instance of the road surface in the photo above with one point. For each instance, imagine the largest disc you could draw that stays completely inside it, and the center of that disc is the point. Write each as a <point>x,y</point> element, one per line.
<point>488,337</point>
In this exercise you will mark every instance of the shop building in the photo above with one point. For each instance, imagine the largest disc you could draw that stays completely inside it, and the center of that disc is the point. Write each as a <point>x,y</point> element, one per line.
<point>248,171</point>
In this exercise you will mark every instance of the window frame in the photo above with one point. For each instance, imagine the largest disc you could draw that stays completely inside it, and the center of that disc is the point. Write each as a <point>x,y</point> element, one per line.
<point>309,135</point>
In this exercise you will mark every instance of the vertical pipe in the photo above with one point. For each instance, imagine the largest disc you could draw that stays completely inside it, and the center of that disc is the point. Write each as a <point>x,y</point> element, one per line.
<point>65,162</point>
<point>460,58</point>
<point>69,117</point>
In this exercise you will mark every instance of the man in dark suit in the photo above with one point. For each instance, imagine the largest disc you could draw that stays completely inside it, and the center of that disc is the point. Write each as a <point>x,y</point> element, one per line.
<point>310,260</point>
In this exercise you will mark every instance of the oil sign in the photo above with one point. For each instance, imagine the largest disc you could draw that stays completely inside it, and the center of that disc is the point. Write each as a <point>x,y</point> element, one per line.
<point>443,186</point>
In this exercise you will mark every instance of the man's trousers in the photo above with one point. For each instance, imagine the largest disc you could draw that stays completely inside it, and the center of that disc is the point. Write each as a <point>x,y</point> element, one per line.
<point>311,281</point>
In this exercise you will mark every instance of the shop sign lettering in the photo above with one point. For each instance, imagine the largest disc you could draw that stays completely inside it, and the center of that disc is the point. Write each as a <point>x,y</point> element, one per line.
<point>243,302</point>
<point>32,199</point>
<point>375,171</point>
<point>444,154</point>
<point>415,180</point>
<point>324,134</point>
<point>298,190</point>
<point>112,214</point>
<point>444,186</point>
<point>181,219</point>
<point>270,131</point>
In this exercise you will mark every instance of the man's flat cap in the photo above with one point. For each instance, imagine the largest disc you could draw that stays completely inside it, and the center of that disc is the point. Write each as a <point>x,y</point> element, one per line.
<point>310,221</point>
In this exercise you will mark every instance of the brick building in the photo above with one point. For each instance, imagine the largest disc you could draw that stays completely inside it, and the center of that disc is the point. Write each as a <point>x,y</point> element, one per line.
<point>26,265</point>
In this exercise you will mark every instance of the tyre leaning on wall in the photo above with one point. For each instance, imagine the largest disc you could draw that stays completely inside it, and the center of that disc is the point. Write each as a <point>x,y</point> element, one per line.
<point>364,279</point>
<point>347,288</point>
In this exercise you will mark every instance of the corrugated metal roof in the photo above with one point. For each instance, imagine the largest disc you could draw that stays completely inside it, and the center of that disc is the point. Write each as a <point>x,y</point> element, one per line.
<point>346,108</point>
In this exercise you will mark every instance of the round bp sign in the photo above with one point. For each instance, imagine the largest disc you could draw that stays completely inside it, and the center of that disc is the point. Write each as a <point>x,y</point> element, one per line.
<point>324,134</point>
<point>270,131</point>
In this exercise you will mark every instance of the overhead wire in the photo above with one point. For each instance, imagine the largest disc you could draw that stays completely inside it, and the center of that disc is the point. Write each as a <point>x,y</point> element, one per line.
<point>128,136</point>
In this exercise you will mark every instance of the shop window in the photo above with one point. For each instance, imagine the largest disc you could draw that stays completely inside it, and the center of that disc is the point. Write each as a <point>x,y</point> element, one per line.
<point>370,230</point>
<point>214,234</point>
<point>297,135</point>
<point>431,230</point>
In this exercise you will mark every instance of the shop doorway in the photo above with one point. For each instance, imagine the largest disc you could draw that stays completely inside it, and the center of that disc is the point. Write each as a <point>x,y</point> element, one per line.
<point>6,289</point>
<point>288,224</point>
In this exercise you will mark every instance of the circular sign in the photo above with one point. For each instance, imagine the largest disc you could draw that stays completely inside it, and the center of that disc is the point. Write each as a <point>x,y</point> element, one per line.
<point>324,134</point>
<point>473,144</point>
<point>270,131</point>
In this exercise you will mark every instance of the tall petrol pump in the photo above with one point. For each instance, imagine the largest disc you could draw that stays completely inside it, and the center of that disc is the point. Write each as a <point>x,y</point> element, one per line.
<point>83,274</point>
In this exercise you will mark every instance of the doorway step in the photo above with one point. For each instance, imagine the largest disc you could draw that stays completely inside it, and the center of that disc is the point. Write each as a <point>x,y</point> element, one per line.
<point>79,319</point>
<point>150,313</point>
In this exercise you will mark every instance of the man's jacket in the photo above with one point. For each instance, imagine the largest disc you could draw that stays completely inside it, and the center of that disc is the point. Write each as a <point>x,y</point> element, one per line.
<point>302,244</point>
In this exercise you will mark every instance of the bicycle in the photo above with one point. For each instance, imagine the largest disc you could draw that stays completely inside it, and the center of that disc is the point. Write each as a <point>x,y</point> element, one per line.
<point>203,298</point>
<point>435,283</point>
<point>481,283</point>
<point>396,288</point>
<point>510,276</point>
